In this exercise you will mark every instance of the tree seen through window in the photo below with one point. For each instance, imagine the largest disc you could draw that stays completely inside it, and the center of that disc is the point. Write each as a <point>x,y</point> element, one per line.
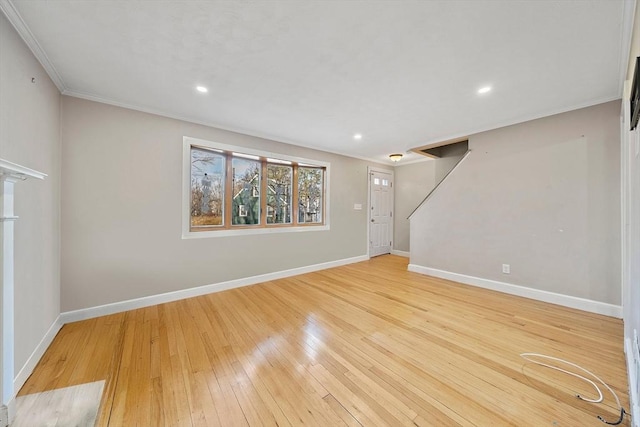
<point>310,185</point>
<point>207,187</point>
<point>246,192</point>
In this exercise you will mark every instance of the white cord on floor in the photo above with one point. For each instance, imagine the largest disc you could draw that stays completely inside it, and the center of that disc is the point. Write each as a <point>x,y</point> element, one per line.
<point>528,356</point>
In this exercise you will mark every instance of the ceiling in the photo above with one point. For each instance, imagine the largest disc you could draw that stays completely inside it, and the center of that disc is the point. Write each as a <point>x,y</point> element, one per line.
<point>314,73</point>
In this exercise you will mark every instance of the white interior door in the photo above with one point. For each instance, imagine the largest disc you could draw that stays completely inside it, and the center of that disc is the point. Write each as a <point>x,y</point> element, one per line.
<point>381,213</point>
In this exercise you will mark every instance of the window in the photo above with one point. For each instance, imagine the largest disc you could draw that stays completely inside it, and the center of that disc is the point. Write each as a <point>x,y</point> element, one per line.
<point>279,184</point>
<point>246,191</point>
<point>207,188</point>
<point>310,185</point>
<point>230,190</point>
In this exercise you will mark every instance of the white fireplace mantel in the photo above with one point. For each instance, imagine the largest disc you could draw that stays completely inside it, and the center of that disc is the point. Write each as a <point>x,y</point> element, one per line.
<point>16,172</point>
<point>10,174</point>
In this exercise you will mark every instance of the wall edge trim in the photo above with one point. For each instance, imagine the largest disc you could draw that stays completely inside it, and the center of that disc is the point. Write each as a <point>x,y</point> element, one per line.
<point>523,291</point>
<point>36,355</point>
<point>634,399</point>
<point>132,304</point>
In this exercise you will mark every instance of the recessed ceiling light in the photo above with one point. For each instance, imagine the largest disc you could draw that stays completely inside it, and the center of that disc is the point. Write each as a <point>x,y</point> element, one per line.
<point>202,89</point>
<point>484,90</point>
<point>357,136</point>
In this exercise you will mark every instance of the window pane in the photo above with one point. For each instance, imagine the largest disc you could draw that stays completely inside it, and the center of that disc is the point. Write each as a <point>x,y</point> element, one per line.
<point>310,184</point>
<point>207,188</point>
<point>279,180</point>
<point>246,191</point>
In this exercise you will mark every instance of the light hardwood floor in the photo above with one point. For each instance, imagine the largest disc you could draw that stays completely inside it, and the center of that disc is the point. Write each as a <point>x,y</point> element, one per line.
<point>365,344</point>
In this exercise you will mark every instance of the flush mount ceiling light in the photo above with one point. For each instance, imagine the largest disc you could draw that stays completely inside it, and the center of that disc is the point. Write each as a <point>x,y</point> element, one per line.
<point>484,90</point>
<point>357,136</point>
<point>395,157</point>
<point>202,89</point>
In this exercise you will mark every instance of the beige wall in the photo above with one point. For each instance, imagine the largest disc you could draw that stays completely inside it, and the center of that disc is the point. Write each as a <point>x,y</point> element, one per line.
<point>29,135</point>
<point>412,184</point>
<point>451,155</point>
<point>631,177</point>
<point>542,196</point>
<point>121,210</point>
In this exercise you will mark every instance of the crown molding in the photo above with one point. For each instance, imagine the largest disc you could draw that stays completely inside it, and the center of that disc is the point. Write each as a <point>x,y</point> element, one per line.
<point>469,133</point>
<point>21,27</point>
<point>161,113</point>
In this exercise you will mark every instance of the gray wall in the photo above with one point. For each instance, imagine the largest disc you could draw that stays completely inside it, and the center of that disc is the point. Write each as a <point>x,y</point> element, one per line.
<point>412,184</point>
<point>542,196</point>
<point>121,210</point>
<point>30,136</point>
<point>451,155</point>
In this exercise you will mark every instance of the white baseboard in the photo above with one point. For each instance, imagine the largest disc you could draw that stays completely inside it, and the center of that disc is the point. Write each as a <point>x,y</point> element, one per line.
<point>4,416</point>
<point>35,357</point>
<point>11,409</point>
<point>633,363</point>
<point>400,253</point>
<point>537,294</point>
<point>117,307</point>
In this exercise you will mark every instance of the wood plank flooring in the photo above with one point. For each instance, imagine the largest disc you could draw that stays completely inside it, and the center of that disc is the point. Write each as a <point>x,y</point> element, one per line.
<point>368,344</point>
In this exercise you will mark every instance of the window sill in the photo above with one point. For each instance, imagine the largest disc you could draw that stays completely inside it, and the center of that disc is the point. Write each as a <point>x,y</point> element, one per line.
<point>250,231</point>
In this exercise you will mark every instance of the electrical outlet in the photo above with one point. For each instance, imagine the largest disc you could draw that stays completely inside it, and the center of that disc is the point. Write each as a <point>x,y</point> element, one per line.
<point>506,268</point>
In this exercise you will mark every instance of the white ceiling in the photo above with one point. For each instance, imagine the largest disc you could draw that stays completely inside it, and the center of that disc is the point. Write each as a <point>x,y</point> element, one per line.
<point>314,73</point>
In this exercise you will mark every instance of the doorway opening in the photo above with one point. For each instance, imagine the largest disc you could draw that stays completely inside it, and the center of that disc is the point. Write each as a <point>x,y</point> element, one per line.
<point>380,211</point>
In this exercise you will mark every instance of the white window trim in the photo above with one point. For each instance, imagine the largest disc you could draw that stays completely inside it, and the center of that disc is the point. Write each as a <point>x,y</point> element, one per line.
<point>188,141</point>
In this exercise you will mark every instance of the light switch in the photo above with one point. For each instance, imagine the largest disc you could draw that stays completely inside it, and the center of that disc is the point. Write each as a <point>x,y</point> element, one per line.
<point>357,207</point>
